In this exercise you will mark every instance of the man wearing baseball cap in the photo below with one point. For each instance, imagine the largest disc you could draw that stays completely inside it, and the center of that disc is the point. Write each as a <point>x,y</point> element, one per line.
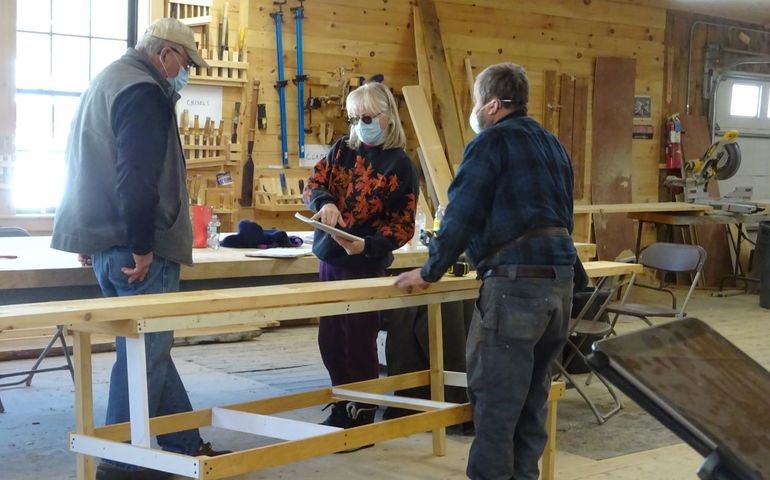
<point>125,210</point>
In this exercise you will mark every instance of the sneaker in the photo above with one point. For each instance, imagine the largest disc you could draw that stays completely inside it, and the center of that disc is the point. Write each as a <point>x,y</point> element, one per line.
<point>108,471</point>
<point>338,416</point>
<point>358,416</point>
<point>205,449</point>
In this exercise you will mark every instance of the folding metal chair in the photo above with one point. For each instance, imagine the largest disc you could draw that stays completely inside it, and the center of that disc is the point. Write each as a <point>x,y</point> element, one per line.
<point>664,258</point>
<point>59,335</point>
<point>581,329</point>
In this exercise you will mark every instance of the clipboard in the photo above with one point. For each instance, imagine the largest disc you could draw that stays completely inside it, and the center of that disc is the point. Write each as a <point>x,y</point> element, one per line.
<point>326,228</point>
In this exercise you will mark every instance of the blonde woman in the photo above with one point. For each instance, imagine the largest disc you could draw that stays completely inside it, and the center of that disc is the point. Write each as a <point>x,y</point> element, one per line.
<point>367,185</point>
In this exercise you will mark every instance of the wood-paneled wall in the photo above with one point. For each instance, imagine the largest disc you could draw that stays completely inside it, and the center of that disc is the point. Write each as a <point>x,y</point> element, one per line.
<point>376,36</point>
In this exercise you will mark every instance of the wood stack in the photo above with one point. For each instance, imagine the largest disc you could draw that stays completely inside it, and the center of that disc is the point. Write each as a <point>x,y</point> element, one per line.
<point>231,69</point>
<point>190,12</point>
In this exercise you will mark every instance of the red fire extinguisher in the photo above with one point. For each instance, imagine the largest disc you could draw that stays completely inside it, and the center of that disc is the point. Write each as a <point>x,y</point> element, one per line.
<point>673,155</point>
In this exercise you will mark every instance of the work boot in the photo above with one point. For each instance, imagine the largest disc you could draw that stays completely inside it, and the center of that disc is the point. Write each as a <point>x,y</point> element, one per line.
<point>359,416</point>
<point>338,416</point>
<point>205,449</point>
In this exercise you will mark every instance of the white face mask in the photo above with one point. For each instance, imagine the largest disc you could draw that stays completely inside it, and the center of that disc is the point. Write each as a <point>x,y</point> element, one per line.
<point>474,118</point>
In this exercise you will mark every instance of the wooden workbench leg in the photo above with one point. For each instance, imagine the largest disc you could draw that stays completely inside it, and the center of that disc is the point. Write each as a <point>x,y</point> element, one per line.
<point>549,454</point>
<point>84,400</point>
<point>436,356</point>
<point>137,391</point>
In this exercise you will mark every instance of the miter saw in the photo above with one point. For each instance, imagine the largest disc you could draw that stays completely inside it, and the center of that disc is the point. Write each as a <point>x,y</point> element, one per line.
<point>721,161</point>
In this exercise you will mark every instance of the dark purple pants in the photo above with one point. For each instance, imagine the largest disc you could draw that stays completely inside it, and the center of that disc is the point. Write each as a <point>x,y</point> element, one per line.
<point>348,343</point>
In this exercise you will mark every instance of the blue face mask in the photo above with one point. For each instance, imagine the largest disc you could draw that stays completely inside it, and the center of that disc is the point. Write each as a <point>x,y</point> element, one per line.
<point>370,133</point>
<point>180,81</point>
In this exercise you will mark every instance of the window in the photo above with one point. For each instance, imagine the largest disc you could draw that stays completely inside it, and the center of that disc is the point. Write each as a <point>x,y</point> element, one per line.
<point>744,101</point>
<point>61,46</point>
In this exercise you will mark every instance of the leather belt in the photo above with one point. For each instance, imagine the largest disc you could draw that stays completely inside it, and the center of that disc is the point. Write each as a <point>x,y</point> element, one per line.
<point>520,271</point>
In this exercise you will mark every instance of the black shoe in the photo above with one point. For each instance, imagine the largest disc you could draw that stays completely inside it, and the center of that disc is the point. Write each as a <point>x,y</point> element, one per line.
<point>338,416</point>
<point>207,450</point>
<point>107,471</point>
<point>360,416</point>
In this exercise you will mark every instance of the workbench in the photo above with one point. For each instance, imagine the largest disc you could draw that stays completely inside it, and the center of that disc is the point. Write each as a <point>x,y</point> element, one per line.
<point>135,316</point>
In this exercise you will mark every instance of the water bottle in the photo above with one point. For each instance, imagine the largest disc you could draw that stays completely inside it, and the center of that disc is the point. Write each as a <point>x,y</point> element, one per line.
<point>213,232</point>
<point>419,227</point>
<point>438,217</point>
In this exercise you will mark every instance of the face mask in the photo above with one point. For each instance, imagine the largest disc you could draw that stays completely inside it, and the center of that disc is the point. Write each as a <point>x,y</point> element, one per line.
<point>370,134</point>
<point>181,79</point>
<point>474,119</point>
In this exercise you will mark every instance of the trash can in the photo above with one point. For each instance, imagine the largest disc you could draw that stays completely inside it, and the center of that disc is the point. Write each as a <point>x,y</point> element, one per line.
<point>762,263</point>
<point>579,299</point>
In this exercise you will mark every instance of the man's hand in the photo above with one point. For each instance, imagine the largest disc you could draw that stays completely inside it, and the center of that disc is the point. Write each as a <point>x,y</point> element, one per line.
<point>411,282</point>
<point>141,267</point>
<point>352,247</point>
<point>85,259</point>
<point>330,215</point>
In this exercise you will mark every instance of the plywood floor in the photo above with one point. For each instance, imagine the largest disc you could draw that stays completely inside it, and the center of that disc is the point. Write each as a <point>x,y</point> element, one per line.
<point>33,430</point>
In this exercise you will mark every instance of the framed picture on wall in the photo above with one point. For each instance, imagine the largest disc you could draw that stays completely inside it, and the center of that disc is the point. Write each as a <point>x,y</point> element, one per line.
<point>642,106</point>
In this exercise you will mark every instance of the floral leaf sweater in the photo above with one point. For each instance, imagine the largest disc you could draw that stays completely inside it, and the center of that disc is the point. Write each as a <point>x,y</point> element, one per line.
<point>376,192</point>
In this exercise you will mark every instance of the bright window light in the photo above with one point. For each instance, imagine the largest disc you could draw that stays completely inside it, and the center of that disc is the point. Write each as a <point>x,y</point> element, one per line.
<point>61,46</point>
<point>744,101</point>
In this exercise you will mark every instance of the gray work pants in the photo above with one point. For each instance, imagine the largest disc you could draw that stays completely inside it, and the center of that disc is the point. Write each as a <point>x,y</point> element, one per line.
<point>519,327</point>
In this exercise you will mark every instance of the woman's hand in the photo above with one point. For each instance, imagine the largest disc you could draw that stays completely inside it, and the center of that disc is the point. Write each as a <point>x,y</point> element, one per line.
<point>330,215</point>
<point>352,247</point>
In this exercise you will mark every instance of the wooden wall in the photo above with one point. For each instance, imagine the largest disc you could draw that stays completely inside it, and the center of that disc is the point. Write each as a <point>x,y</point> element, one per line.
<point>376,36</point>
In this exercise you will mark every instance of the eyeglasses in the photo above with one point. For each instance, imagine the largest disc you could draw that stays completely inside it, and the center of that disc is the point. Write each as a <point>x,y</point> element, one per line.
<point>367,119</point>
<point>189,63</point>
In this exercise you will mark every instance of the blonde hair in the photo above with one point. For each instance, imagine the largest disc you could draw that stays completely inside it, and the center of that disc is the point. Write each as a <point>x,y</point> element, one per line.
<point>375,97</point>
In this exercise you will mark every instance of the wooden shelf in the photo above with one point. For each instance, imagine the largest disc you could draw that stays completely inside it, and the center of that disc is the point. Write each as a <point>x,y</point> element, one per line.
<point>196,21</point>
<point>231,71</point>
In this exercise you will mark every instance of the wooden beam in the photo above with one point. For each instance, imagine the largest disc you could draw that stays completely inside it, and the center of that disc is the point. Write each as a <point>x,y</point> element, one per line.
<point>423,65</point>
<point>84,399</point>
<point>579,131</point>
<point>550,103</point>
<point>436,360</point>
<point>438,168</point>
<point>442,83</point>
<point>566,113</point>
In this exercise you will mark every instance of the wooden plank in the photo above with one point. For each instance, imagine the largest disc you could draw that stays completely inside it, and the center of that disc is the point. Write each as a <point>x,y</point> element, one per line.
<point>550,103</point>
<point>672,207</point>
<point>614,83</point>
<point>442,83</point>
<point>423,66</point>
<point>429,186</point>
<point>695,140</point>
<point>567,111</point>
<point>579,132</point>
<point>430,143</point>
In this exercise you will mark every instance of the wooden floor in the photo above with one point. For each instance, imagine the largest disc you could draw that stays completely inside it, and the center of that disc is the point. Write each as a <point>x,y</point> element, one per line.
<point>33,430</point>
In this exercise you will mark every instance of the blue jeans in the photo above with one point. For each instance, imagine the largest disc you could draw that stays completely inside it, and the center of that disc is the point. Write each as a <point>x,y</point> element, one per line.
<point>165,392</point>
<point>519,327</point>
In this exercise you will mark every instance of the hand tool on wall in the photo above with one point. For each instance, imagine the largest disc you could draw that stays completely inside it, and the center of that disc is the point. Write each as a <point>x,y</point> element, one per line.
<point>236,120</point>
<point>247,179</point>
<point>299,81</point>
<point>223,47</point>
<point>241,44</point>
<point>281,83</point>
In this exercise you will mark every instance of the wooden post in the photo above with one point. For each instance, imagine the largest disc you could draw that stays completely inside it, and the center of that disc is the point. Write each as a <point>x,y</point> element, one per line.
<point>84,400</point>
<point>436,357</point>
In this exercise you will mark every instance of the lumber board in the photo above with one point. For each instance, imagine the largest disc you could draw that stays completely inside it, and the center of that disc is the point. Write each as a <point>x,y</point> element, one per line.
<point>614,83</point>
<point>430,143</point>
<point>443,91</point>
<point>423,65</point>
<point>550,103</point>
<point>579,131</point>
<point>567,111</point>
<point>673,207</point>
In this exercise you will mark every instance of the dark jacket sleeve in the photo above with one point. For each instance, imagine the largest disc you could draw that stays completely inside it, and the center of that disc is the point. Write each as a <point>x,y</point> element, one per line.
<point>141,117</point>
